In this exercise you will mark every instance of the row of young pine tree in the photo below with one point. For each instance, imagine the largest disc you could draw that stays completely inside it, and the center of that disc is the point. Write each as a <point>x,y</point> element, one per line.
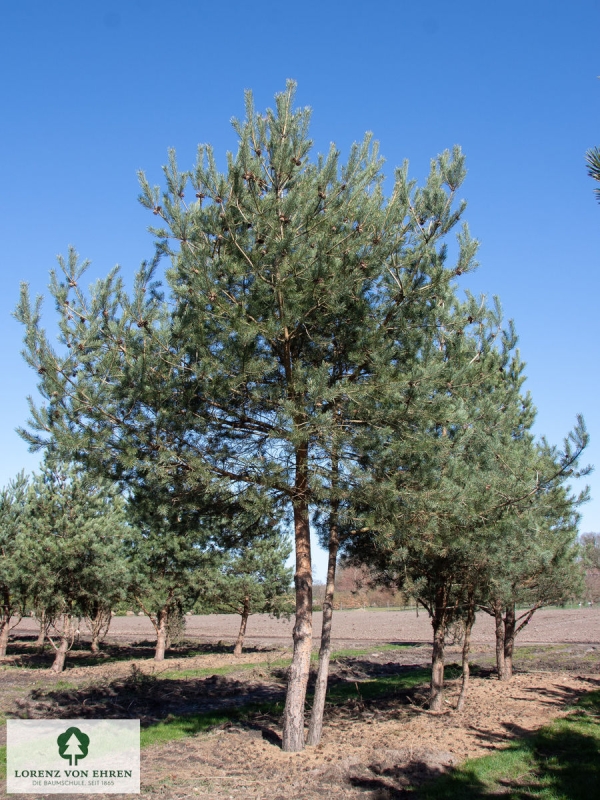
<point>72,548</point>
<point>311,360</point>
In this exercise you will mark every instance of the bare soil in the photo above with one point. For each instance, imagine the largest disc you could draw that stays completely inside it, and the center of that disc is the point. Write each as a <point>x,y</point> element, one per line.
<point>358,627</point>
<point>370,748</point>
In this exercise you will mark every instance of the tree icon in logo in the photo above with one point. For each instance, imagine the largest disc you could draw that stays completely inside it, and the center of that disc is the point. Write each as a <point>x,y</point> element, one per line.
<point>73,744</point>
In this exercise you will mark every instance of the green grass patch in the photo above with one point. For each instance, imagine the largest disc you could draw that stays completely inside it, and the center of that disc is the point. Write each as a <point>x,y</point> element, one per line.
<point>203,672</point>
<point>559,762</point>
<point>350,652</point>
<point>374,688</point>
<point>179,727</point>
<point>3,762</point>
<point>64,685</point>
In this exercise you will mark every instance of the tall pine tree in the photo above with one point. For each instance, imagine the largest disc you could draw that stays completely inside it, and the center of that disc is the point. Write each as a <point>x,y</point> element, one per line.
<point>298,291</point>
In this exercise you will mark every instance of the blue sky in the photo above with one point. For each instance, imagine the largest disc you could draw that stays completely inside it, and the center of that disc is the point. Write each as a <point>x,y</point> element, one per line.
<point>91,92</point>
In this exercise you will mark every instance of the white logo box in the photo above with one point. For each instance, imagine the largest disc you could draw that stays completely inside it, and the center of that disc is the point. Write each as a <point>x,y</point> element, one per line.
<point>82,756</point>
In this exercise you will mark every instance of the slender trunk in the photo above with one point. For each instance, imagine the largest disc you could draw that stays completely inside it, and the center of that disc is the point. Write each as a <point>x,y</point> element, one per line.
<point>237,650</point>
<point>4,628</point>
<point>44,625</point>
<point>161,635</point>
<point>509,641</point>
<point>293,715</point>
<point>5,616</point>
<point>499,639</point>
<point>315,727</point>
<point>99,623</point>
<point>436,699</point>
<point>439,622</point>
<point>66,640</point>
<point>469,622</point>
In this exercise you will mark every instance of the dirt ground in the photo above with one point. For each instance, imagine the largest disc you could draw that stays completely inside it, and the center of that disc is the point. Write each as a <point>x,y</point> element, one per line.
<point>370,748</point>
<point>366,752</point>
<point>551,625</point>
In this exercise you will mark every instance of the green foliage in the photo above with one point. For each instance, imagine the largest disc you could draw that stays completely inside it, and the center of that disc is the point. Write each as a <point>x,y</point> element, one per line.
<point>12,511</point>
<point>254,578</point>
<point>171,555</point>
<point>469,502</point>
<point>590,549</point>
<point>70,550</point>
<point>592,158</point>
<point>286,277</point>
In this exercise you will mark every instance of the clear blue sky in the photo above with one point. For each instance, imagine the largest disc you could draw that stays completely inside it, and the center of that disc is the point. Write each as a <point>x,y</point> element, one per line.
<point>91,92</point>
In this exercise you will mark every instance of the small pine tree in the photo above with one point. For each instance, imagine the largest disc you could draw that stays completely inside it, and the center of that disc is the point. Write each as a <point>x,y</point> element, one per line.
<point>70,549</point>
<point>12,506</point>
<point>254,580</point>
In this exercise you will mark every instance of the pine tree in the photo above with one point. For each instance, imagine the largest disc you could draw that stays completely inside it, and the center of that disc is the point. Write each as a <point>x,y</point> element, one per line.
<point>444,499</point>
<point>70,549</point>
<point>296,287</point>
<point>12,506</point>
<point>592,158</point>
<point>172,556</point>
<point>535,558</point>
<point>254,580</point>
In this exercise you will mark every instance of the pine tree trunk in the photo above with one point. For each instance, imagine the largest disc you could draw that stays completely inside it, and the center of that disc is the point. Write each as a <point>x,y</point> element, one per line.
<point>499,639</point>
<point>237,650</point>
<point>509,641</point>
<point>99,624</point>
<point>4,628</point>
<point>43,630</point>
<point>161,635</point>
<point>66,640</point>
<point>5,616</point>
<point>436,698</point>
<point>293,715</point>
<point>469,622</point>
<point>315,727</point>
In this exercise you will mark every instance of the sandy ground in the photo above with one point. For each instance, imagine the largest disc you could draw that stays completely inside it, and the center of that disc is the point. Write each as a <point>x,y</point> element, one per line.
<point>548,626</point>
<point>367,753</point>
<point>370,749</point>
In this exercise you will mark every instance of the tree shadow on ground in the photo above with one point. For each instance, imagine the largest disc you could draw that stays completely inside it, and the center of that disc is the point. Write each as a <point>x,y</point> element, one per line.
<point>563,764</point>
<point>24,652</point>
<point>147,697</point>
<point>561,760</point>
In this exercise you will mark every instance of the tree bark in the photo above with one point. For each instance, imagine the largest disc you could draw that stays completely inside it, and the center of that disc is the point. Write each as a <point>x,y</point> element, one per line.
<point>509,641</point>
<point>436,698</point>
<point>439,623</point>
<point>293,715</point>
<point>43,630</point>
<point>99,624</point>
<point>237,650</point>
<point>469,622</point>
<point>315,728</point>
<point>66,640</point>
<point>499,639</point>
<point>161,635</point>
<point>4,628</point>
<point>5,615</point>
